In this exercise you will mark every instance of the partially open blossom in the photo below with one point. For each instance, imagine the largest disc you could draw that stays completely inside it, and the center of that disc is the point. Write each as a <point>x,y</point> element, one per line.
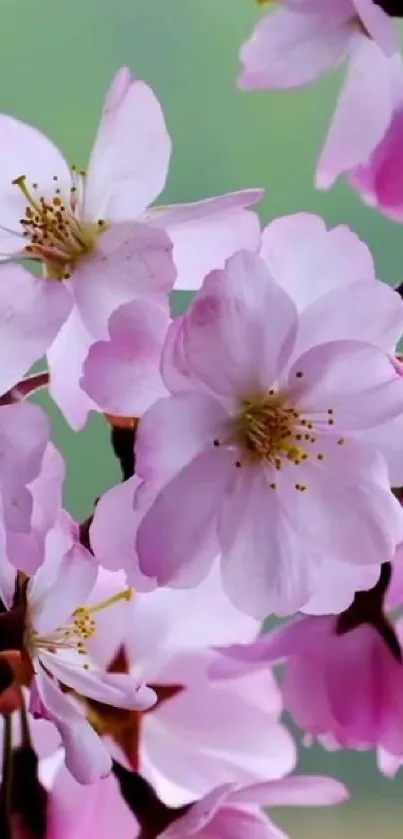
<point>50,629</point>
<point>259,445</point>
<point>379,178</point>
<point>304,39</point>
<point>200,732</point>
<point>97,240</point>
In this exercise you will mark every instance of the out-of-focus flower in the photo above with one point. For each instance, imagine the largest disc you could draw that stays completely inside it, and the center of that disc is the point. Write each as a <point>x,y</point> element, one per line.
<point>199,733</point>
<point>228,810</point>
<point>304,39</point>
<point>343,675</point>
<point>259,444</point>
<point>379,177</point>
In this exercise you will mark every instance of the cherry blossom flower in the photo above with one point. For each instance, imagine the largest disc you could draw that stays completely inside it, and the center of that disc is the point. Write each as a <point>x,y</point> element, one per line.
<point>314,266</point>
<point>343,677</point>
<point>304,39</point>
<point>93,232</point>
<point>199,733</point>
<point>52,627</point>
<point>259,444</point>
<point>378,178</point>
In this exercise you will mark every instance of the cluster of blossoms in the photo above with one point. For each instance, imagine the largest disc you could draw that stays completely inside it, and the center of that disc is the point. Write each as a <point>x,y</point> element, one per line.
<point>260,440</point>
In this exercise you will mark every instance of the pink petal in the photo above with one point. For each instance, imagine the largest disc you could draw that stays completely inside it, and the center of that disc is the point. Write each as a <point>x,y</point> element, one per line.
<point>26,550</point>
<point>86,756</point>
<point>122,375</point>
<point>338,315</point>
<point>295,791</point>
<point>25,152</point>
<point>336,585</point>
<point>117,689</point>
<point>78,811</point>
<point>206,233</point>
<point>265,565</point>
<point>380,179</point>
<point>130,158</point>
<point>167,634</point>
<point>386,438</point>
<point>363,112</point>
<point>238,823</point>
<point>356,381</point>
<point>60,585</point>
<point>199,815</point>
<point>225,338</point>
<point>174,537</point>
<point>288,49</point>
<point>307,260</point>
<point>380,27</point>
<point>8,573</point>
<point>232,736</point>
<point>112,533</point>
<point>24,436</point>
<point>388,764</point>
<point>160,451</point>
<point>356,490</point>
<point>132,260</point>
<point>66,358</point>
<point>32,311</point>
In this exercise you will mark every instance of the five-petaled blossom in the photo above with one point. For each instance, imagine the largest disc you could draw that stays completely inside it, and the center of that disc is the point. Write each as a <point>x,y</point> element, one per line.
<point>302,40</point>
<point>258,448</point>
<point>98,241</point>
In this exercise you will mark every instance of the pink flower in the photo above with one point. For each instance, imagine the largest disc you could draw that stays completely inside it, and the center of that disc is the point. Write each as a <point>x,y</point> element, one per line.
<point>258,448</point>
<point>229,810</point>
<point>303,40</point>
<point>200,733</point>
<point>93,232</point>
<point>343,677</point>
<point>379,178</point>
<point>332,270</point>
<point>56,628</point>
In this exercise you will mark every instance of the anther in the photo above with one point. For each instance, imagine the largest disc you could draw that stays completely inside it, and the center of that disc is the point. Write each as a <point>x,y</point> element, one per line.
<point>216,443</point>
<point>299,374</point>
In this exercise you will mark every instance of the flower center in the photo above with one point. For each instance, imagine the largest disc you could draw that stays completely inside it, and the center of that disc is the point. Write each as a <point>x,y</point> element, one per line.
<point>57,234</point>
<point>75,634</point>
<point>267,429</point>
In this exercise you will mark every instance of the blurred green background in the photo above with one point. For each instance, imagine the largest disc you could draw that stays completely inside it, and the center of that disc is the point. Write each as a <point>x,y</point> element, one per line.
<point>56,60</point>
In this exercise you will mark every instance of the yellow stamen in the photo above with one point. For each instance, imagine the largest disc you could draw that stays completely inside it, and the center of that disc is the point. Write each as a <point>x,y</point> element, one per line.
<point>127,594</point>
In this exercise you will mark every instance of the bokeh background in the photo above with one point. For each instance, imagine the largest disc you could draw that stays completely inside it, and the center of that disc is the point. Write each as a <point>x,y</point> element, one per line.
<point>56,60</point>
